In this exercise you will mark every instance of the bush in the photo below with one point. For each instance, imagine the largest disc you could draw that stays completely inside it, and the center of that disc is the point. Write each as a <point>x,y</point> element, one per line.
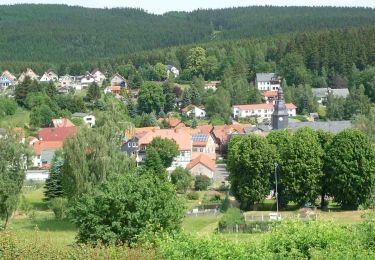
<point>233,216</point>
<point>202,182</point>
<point>193,195</point>
<point>181,178</point>
<point>25,205</point>
<point>225,204</point>
<point>59,206</point>
<point>127,207</point>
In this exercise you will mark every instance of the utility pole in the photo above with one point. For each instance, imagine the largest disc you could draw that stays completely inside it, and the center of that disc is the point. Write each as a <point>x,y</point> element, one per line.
<point>276,193</point>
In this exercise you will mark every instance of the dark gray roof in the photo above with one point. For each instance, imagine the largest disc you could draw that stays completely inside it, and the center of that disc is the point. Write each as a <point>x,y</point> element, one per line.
<point>342,92</point>
<point>265,76</point>
<point>78,114</point>
<point>332,126</point>
<point>262,128</point>
<point>320,92</point>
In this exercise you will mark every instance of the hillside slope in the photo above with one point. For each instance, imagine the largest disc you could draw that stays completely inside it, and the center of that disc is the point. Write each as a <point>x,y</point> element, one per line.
<point>59,33</point>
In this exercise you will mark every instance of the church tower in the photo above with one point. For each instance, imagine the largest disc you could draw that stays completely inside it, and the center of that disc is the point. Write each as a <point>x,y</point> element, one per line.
<point>280,112</point>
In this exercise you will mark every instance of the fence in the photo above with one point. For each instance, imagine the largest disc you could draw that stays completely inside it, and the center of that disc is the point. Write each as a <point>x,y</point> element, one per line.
<point>206,212</point>
<point>256,227</point>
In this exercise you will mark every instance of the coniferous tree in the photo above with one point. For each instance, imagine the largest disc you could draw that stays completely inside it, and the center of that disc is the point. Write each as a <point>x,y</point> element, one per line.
<point>53,186</point>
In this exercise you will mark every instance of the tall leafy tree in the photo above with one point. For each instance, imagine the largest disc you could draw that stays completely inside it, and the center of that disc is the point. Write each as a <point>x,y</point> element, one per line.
<point>350,161</point>
<point>13,164</point>
<point>151,98</point>
<point>181,179</point>
<point>154,164</point>
<point>196,60</point>
<point>250,169</point>
<point>93,93</point>
<point>301,170</point>
<point>325,139</point>
<point>357,102</point>
<point>90,157</point>
<point>166,148</point>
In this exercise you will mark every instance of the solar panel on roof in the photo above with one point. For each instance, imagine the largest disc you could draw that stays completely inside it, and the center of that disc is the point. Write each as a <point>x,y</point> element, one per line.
<point>200,137</point>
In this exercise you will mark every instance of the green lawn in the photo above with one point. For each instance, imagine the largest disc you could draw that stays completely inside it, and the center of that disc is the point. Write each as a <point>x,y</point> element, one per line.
<point>19,119</point>
<point>201,225</point>
<point>41,224</point>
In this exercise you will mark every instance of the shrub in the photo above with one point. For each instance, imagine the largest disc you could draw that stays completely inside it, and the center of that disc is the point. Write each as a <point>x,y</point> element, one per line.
<point>181,178</point>
<point>59,206</point>
<point>225,204</point>
<point>25,205</point>
<point>232,217</point>
<point>202,182</point>
<point>193,195</point>
<point>126,207</point>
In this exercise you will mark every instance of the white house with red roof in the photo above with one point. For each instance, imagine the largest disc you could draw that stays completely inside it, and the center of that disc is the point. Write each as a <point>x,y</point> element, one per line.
<point>260,111</point>
<point>202,165</point>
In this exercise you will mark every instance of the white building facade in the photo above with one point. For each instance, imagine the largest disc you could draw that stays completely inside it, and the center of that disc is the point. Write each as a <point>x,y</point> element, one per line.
<point>260,111</point>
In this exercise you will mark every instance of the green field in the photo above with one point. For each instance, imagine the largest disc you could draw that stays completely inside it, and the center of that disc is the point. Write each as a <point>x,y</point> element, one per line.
<point>40,221</point>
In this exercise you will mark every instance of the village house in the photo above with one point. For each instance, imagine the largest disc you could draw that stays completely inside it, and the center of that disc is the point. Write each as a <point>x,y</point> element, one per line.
<point>260,111</point>
<point>69,82</point>
<point>211,85</point>
<point>87,119</point>
<point>87,79</point>
<point>269,97</point>
<point>62,122</point>
<point>194,111</point>
<point>172,69</point>
<point>28,73</point>
<point>48,76</point>
<point>98,76</point>
<point>321,94</point>
<point>118,80</point>
<point>112,89</point>
<point>137,145</point>
<point>221,134</point>
<point>49,140</point>
<point>202,165</point>
<point>204,144</point>
<point>7,79</point>
<point>44,152</point>
<point>267,81</point>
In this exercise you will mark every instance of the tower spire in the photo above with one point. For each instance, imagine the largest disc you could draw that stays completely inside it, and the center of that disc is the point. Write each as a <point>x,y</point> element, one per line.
<point>280,112</point>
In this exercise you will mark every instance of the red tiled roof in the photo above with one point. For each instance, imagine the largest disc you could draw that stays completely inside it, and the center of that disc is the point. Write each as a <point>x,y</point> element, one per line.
<point>172,122</point>
<point>182,138</point>
<point>204,160</point>
<point>40,146</point>
<point>262,106</point>
<point>205,129</point>
<point>269,94</point>
<point>56,134</point>
<point>62,122</point>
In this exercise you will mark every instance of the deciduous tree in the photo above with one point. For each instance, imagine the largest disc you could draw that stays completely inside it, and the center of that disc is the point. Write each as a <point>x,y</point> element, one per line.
<point>250,163</point>
<point>350,161</point>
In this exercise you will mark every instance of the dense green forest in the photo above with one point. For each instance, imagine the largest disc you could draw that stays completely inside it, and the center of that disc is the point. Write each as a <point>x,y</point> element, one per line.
<point>62,34</point>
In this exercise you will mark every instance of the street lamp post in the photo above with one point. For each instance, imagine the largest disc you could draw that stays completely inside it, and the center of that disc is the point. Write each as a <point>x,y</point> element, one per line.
<point>276,193</point>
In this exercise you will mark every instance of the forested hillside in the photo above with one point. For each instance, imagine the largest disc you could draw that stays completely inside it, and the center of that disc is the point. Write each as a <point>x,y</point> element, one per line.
<point>61,34</point>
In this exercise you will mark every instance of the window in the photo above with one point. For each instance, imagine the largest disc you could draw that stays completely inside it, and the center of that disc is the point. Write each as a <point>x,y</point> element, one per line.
<point>129,145</point>
<point>259,111</point>
<point>134,144</point>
